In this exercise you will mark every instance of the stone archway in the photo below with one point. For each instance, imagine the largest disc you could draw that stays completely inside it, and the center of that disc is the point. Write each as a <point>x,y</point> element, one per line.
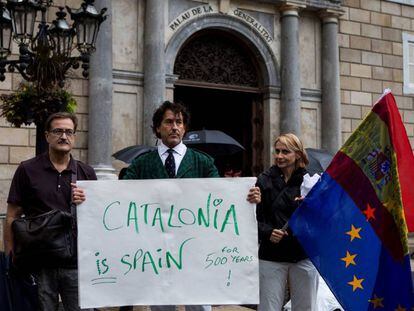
<point>259,48</point>
<point>219,60</point>
<point>269,71</point>
<point>221,80</point>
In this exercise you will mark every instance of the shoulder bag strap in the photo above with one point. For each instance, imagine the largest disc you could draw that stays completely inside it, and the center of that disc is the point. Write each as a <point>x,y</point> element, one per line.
<point>72,204</point>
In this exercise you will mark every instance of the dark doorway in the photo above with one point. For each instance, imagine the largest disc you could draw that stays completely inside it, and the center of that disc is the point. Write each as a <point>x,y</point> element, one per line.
<point>219,80</point>
<point>224,110</point>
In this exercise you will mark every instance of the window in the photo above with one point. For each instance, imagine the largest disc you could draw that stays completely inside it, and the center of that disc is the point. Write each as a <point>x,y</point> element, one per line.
<point>408,61</point>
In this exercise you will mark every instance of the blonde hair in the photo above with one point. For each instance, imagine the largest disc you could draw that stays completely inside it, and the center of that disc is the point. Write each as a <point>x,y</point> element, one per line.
<point>293,143</point>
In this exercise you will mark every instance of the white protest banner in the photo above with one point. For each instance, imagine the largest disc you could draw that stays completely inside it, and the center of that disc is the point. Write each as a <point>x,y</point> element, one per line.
<point>167,241</point>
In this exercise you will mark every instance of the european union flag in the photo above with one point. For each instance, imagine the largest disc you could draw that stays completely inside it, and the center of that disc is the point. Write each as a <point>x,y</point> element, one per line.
<point>353,222</point>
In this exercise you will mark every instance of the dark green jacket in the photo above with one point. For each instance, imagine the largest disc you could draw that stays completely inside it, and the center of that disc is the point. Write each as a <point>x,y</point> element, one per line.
<point>195,164</point>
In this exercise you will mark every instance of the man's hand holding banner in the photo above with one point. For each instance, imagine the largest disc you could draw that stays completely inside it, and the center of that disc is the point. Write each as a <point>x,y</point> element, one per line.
<point>169,241</point>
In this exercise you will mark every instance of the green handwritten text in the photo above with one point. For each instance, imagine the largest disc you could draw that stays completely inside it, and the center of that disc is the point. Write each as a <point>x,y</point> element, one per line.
<point>213,216</point>
<point>153,261</point>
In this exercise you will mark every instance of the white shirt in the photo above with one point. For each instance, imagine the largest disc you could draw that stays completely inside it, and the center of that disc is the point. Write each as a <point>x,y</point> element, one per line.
<point>179,152</point>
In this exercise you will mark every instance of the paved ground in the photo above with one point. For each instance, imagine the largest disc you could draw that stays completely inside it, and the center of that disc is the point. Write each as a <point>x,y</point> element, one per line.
<point>215,308</point>
<point>231,308</point>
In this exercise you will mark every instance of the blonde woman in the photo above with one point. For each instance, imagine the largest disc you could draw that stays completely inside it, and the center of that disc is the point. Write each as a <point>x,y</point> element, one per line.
<point>282,259</point>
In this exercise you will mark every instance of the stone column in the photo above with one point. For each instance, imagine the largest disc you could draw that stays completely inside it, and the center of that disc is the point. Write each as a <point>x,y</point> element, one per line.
<point>154,64</point>
<point>271,123</point>
<point>290,116</point>
<point>100,100</point>
<point>331,102</point>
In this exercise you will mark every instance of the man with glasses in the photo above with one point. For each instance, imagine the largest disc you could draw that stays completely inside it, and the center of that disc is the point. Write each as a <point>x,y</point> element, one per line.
<point>45,183</point>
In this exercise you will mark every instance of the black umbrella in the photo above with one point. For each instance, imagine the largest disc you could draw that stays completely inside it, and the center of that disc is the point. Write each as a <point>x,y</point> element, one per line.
<point>319,160</point>
<point>130,153</point>
<point>215,143</point>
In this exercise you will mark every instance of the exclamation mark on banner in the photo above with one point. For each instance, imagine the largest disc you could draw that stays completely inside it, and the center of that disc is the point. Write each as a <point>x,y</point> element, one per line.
<point>228,278</point>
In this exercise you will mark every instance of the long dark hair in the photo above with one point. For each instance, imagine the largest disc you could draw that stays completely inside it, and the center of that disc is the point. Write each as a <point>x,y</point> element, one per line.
<point>176,108</point>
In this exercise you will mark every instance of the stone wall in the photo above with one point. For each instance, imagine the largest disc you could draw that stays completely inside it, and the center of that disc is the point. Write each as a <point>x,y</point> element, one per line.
<point>128,38</point>
<point>371,59</point>
<point>310,75</point>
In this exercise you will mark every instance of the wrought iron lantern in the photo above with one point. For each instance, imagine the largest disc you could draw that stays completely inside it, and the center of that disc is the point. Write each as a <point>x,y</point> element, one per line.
<point>62,35</point>
<point>46,57</point>
<point>87,22</point>
<point>23,14</point>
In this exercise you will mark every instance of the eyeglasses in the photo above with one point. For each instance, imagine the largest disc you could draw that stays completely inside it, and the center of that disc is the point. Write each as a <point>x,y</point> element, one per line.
<point>59,132</point>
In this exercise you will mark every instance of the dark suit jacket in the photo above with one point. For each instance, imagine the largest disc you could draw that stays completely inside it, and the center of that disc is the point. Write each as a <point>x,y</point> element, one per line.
<point>195,164</point>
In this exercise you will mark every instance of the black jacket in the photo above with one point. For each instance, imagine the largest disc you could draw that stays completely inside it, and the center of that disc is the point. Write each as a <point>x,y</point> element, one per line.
<point>274,211</point>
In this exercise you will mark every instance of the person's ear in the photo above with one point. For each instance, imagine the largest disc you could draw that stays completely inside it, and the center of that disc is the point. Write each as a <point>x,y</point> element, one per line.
<point>47,135</point>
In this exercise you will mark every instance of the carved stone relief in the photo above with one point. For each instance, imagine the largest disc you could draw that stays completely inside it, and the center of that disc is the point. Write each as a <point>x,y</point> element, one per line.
<point>216,59</point>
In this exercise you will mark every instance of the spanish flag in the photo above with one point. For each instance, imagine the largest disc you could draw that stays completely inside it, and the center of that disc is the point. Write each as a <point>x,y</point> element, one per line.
<point>354,222</point>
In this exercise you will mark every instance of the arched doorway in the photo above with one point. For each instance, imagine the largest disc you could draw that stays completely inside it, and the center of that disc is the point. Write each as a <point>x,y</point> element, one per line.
<point>219,81</point>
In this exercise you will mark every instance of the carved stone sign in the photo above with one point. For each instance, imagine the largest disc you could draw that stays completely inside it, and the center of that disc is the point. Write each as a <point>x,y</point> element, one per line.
<point>190,14</point>
<point>201,10</point>
<point>253,23</point>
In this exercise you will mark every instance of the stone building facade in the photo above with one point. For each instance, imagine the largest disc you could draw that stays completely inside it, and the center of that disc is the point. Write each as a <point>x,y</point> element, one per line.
<point>250,68</point>
<point>253,69</point>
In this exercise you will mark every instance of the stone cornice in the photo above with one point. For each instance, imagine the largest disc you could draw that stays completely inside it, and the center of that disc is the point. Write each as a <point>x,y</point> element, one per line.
<point>311,95</point>
<point>136,78</point>
<point>308,95</point>
<point>127,77</point>
<point>170,80</point>
<point>290,9</point>
<point>330,16</point>
<point>308,4</point>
